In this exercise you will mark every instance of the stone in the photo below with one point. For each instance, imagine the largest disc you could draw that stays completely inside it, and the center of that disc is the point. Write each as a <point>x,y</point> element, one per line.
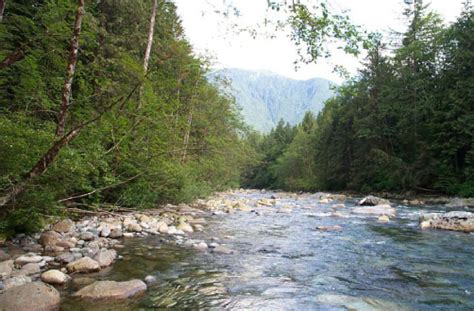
<point>4,255</point>
<point>115,233</point>
<point>87,236</point>
<point>143,218</point>
<point>80,282</point>
<point>185,227</point>
<point>28,258</point>
<point>454,221</point>
<point>16,281</point>
<point>150,279</point>
<point>222,250</point>
<point>128,234</point>
<point>111,290</point>
<point>49,238</point>
<point>85,265</point>
<point>338,206</point>
<point>65,244</point>
<point>34,296</point>
<point>324,201</point>
<point>266,202</point>
<point>54,277</point>
<point>63,226</point>
<point>242,207</point>
<point>329,228</point>
<point>383,219</point>
<point>202,246</point>
<point>30,269</point>
<point>384,209</point>
<point>134,227</point>
<point>105,257</point>
<point>372,201</point>
<point>105,232</point>
<point>65,257</point>
<point>6,268</point>
<point>162,227</point>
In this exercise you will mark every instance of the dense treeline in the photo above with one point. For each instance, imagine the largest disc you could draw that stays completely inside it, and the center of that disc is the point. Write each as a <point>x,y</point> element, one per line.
<point>136,131</point>
<point>406,122</point>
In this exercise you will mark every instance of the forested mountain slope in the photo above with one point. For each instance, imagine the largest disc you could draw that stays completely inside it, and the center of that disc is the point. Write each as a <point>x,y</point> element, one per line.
<point>265,97</point>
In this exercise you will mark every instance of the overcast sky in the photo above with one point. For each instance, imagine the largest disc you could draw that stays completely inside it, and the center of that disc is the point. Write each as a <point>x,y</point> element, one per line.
<point>209,34</point>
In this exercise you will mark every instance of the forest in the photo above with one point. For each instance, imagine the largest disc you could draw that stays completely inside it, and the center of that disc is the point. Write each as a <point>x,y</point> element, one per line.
<point>132,122</point>
<point>404,123</point>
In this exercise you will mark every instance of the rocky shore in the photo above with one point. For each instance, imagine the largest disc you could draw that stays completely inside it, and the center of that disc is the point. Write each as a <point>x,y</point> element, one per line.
<point>32,267</point>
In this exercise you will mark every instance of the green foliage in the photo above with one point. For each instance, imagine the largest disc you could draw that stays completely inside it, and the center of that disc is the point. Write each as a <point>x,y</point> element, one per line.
<point>177,137</point>
<point>406,122</point>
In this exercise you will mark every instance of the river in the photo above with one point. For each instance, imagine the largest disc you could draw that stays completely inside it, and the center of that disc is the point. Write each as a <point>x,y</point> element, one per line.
<point>281,262</point>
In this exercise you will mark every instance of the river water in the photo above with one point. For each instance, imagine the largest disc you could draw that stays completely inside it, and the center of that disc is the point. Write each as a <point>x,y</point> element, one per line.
<point>281,262</point>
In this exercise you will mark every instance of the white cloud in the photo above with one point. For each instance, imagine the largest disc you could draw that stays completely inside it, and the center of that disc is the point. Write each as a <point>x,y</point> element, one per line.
<point>211,34</point>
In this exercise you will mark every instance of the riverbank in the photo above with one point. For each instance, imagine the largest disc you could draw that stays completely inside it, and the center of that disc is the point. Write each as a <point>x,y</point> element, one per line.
<point>67,252</point>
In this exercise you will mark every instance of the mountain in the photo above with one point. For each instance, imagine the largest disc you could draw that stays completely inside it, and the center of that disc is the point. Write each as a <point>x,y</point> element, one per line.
<point>266,97</point>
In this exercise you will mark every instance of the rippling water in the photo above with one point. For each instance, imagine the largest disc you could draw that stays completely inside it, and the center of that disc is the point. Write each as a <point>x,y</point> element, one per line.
<point>282,263</point>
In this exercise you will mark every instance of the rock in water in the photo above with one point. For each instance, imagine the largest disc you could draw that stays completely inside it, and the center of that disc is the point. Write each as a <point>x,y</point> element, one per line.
<point>85,264</point>
<point>54,277</point>
<point>222,250</point>
<point>329,228</point>
<point>372,201</point>
<point>383,219</point>
<point>384,209</point>
<point>105,257</point>
<point>185,227</point>
<point>455,221</point>
<point>34,296</point>
<point>111,290</point>
<point>6,268</point>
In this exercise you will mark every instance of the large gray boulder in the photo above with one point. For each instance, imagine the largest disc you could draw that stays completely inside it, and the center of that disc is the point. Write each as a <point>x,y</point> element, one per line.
<point>372,201</point>
<point>34,296</point>
<point>111,290</point>
<point>455,221</point>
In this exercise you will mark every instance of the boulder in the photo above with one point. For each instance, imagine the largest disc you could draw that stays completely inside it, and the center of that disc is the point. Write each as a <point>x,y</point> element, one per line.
<point>87,236</point>
<point>49,238</point>
<point>35,296</point>
<point>150,279</point>
<point>105,257</point>
<point>115,233</point>
<point>54,277</point>
<point>16,281</point>
<point>162,227</point>
<point>6,268</point>
<point>65,244</point>
<point>455,221</point>
<point>134,227</point>
<point>65,257</point>
<point>111,290</point>
<point>30,269</point>
<point>28,258</point>
<point>105,232</point>
<point>85,264</point>
<point>185,227</point>
<point>378,210</point>
<point>63,226</point>
<point>372,201</point>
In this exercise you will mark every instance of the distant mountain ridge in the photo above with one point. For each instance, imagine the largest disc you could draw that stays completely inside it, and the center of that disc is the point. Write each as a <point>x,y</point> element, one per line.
<point>266,97</point>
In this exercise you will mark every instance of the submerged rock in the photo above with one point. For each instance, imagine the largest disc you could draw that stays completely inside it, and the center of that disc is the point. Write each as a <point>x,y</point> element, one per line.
<point>111,290</point>
<point>372,201</point>
<point>455,221</point>
<point>384,209</point>
<point>329,228</point>
<point>35,296</point>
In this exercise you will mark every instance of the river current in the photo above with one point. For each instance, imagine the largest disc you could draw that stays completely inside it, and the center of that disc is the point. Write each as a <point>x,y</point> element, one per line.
<point>282,262</point>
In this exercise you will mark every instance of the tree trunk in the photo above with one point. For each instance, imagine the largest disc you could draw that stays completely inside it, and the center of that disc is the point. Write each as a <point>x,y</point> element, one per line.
<point>12,58</point>
<point>3,4</point>
<point>71,69</point>
<point>146,60</point>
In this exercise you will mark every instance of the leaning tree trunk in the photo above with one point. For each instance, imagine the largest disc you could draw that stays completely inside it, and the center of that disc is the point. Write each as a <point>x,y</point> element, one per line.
<point>3,4</point>
<point>71,69</point>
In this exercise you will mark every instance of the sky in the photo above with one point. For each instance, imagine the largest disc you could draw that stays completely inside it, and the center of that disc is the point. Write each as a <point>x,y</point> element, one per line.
<point>214,36</point>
